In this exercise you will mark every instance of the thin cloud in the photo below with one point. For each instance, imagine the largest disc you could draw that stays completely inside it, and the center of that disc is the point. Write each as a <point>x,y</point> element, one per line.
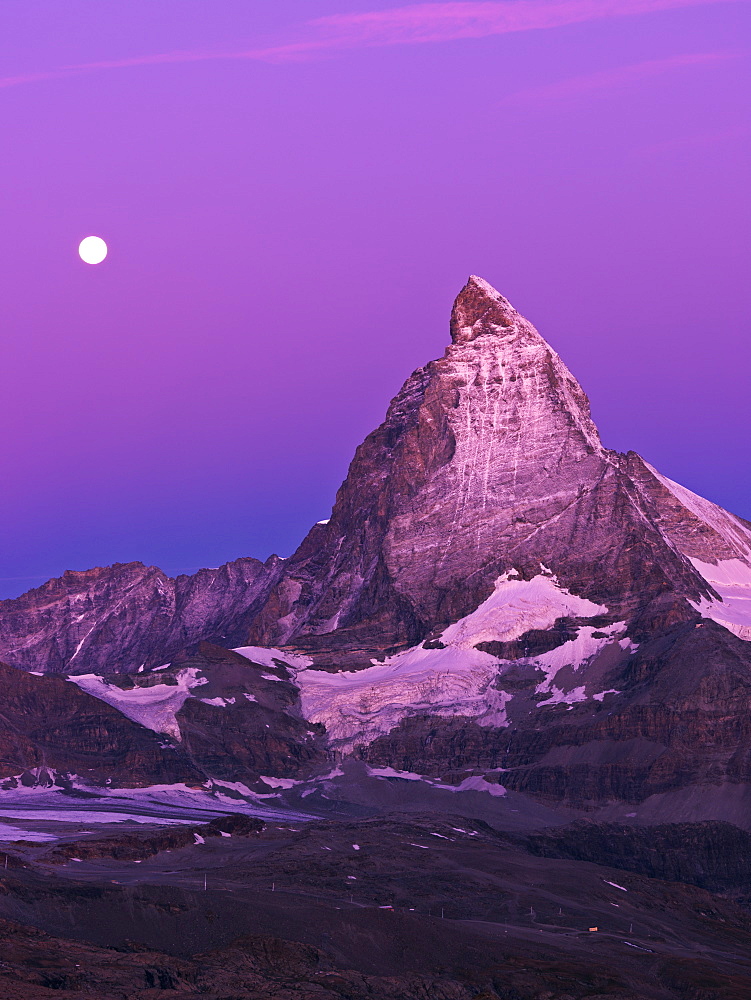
<point>440,22</point>
<point>611,78</point>
<point>698,139</point>
<point>17,81</point>
<point>410,25</point>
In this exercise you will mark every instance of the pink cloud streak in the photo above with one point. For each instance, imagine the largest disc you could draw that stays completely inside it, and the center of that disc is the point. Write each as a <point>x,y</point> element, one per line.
<point>438,22</point>
<point>409,25</point>
<point>575,86</point>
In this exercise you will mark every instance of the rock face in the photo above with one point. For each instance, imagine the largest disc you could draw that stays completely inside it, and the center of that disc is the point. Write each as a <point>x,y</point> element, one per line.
<point>487,462</point>
<point>122,617</point>
<point>50,731</point>
<point>165,727</point>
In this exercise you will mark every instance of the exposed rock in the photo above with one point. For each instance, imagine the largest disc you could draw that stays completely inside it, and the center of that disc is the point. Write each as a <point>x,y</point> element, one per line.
<point>50,730</point>
<point>123,617</point>
<point>681,718</point>
<point>487,461</point>
<point>240,722</point>
<point>533,602</point>
<point>142,845</point>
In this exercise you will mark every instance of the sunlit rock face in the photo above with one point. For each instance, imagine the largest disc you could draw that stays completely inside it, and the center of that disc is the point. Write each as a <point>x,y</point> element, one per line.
<point>122,618</point>
<point>488,461</point>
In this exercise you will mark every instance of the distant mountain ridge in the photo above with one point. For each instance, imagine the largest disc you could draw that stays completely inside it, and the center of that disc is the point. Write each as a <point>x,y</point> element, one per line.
<point>119,618</point>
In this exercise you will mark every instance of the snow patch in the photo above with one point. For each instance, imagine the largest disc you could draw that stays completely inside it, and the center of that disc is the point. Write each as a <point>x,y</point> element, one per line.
<point>11,833</point>
<point>280,782</point>
<point>576,653</point>
<point>600,696</point>
<point>163,804</point>
<point>731,579</point>
<point>265,656</point>
<point>515,607</point>
<point>476,784</point>
<point>458,679</point>
<point>335,772</point>
<point>390,772</point>
<point>615,885</point>
<point>152,707</point>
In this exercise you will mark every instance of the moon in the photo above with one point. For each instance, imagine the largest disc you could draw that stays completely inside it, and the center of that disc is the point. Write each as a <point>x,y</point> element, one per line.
<point>92,250</point>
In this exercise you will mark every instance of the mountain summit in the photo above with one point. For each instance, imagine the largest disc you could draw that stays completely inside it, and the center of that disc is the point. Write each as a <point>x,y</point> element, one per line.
<point>488,462</point>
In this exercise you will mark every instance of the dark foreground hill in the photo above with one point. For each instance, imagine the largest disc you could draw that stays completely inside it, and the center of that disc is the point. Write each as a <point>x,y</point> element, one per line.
<point>406,907</point>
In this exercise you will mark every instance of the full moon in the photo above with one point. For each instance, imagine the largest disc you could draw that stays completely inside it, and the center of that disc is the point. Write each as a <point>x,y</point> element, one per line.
<point>93,250</point>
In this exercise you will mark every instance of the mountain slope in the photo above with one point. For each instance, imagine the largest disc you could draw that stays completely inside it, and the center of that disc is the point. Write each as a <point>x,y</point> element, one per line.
<point>487,462</point>
<point>123,617</point>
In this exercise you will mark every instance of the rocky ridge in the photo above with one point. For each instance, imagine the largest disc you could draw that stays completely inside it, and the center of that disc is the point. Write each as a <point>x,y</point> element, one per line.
<point>488,462</point>
<point>118,619</point>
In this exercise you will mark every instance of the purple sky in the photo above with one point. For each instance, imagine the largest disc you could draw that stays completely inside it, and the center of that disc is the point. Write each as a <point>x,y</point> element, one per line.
<point>293,193</point>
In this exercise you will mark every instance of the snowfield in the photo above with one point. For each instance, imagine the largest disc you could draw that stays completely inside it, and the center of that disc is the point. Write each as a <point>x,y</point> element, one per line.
<point>731,579</point>
<point>357,706</point>
<point>152,707</point>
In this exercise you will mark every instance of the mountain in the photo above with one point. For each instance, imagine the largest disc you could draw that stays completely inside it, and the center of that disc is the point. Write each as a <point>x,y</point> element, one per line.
<point>488,462</point>
<point>496,599</point>
<point>123,617</point>
<point>486,735</point>
<point>213,715</point>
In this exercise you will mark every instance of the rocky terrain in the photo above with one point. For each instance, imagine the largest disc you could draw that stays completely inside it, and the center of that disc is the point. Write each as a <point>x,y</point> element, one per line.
<point>502,621</point>
<point>488,461</point>
<point>404,907</point>
<point>165,726</point>
<point>119,618</point>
